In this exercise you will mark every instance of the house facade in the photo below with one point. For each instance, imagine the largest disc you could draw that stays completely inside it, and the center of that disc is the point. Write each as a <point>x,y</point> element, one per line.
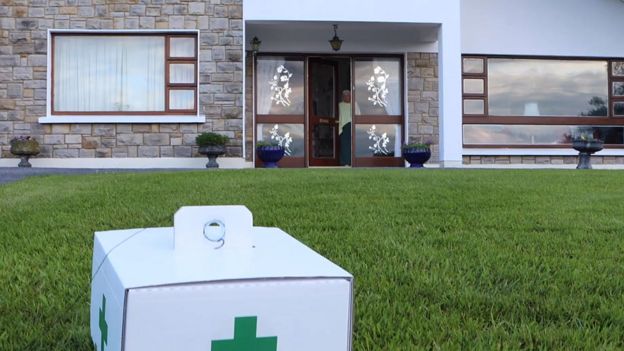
<point>131,83</point>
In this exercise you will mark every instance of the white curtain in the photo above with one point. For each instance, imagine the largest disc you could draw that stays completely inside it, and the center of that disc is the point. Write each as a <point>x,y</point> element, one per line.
<point>109,73</point>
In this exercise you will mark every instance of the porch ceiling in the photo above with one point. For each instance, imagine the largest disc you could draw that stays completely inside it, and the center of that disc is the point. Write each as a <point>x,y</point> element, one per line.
<point>369,37</point>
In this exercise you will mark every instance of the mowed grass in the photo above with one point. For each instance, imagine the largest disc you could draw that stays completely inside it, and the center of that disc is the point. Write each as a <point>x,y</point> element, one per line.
<point>443,259</point>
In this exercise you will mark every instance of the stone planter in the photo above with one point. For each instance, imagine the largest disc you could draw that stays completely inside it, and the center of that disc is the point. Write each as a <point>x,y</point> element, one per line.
<point>25,149</point>
<point>586,149</point>
<point>416,156</point>
<point>212,151</point>
<point>270,155</point>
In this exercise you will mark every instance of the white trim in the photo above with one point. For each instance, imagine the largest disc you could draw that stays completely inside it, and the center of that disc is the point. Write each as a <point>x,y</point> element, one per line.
<point>130,163</point>
<point>50,119</point>
<point>535,152</point>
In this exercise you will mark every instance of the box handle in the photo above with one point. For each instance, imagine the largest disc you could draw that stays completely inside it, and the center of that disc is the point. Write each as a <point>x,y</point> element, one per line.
<point>200,228</point>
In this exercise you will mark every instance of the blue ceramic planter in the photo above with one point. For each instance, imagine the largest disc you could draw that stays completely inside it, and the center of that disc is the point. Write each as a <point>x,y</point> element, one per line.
<point>416,157</point>
<point>270,155</point>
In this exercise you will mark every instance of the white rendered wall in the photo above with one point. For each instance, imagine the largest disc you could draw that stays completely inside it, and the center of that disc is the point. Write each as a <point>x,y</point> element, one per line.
<point>543,27</point>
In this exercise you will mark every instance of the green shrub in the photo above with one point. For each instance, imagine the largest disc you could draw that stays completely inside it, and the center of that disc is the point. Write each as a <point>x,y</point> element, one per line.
<point>211,139</point>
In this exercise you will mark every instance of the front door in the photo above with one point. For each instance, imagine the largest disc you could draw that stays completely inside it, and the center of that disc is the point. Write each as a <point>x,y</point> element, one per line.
<point>323,113</point>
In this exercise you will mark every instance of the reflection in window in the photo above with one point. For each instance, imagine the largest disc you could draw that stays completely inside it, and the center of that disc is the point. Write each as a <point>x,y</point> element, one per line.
<point>547,87</point>
<point>618,109</point>
<point>377,140</point>
<point>618,69</point>
<point>618,88</point>
<point>289,136</point>
<point>473,65</point>
<point>280,86</point>
<point>378,87</point>
<point>476,134</point>
<point>473,86</point>
<point>474,107</point>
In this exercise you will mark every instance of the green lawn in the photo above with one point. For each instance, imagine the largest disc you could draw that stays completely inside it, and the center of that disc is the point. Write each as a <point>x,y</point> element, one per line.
<point>443,259</point>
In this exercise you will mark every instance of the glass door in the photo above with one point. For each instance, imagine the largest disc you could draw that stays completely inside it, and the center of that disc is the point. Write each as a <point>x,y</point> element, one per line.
<point>322,116</point>
<point>378,111</point>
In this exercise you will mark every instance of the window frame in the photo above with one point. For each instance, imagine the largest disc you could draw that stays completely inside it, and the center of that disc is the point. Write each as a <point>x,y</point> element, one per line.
<point>165,116</point>
<point>486,118</point>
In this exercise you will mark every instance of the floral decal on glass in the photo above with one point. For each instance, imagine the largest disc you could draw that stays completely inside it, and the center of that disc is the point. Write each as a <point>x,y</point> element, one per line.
<point>380,145</point>
<point>280,86</point>
<point>283,141</point>
<point>618,69</point>
<point>377,86</point>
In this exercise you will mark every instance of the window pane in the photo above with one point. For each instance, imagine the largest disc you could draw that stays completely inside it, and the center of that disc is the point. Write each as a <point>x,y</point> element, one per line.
<point>473,86</point>
<point>474,107</point>
<point>182,47</point>
<point>181,99</point>
<point>378,87</point>
<point>280,86</point>
<point>618,69</point>
<point>618,88</point>
<point>618,108</point>
<point>518,87</point>
<point>475,134</point>
<point>182,73</point>
<point>290,136</point>
<point>473,65</point>
<point>377,140</point>
<point>109,73</point>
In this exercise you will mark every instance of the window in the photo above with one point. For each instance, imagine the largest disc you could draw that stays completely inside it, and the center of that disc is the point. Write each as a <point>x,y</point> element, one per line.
<point>124,74</point>
<point>541,101</point>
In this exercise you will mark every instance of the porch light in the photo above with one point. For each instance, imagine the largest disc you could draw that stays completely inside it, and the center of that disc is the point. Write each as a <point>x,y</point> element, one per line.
<point>255,44</point>
<point>335,42</point>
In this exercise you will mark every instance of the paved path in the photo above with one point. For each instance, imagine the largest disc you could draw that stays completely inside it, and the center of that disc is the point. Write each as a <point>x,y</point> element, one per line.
<point>11,174</point>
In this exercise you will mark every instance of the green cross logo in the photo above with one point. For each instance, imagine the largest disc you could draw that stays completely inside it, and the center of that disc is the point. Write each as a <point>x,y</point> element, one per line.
<point>103,324</point>
<point>245,338</point>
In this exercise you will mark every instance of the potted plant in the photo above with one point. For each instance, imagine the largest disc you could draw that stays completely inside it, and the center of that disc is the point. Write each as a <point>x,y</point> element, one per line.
<point>417,153</point>
<point>270,153</point>
<point>586,144</point>
<point>213,146</point>
<point>24,147</point>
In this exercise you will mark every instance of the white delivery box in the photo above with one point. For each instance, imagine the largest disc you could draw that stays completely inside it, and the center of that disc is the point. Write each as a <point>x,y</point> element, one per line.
<point>214,282</point>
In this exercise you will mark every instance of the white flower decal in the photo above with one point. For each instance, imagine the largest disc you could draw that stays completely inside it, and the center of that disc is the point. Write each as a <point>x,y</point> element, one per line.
<point>381,142</point>
<point>280,86</point>
<point>283,141</point>
<point>377,86</point>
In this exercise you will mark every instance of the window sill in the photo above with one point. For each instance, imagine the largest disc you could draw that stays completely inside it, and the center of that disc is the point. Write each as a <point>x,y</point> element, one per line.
<point>52,119</point>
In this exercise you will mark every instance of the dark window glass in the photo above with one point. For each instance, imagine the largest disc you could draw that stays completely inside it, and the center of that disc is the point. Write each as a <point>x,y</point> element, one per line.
<point>618,109</point>
<point>532,87</point>
<point>618,88</point>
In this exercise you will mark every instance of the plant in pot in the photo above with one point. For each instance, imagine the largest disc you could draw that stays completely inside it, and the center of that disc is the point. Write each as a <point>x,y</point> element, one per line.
<point>586,144</point>
<point>417,153</point>
<point>270,152</point>
<point>211,145</point>
<point>24,147</point>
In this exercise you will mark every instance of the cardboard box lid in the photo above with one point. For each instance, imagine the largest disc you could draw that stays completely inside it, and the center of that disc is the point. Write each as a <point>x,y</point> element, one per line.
<point>190,251</point>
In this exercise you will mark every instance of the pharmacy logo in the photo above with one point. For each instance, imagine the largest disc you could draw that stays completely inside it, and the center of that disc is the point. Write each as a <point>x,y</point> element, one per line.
<point>245,338</point>
<point>103,324</point>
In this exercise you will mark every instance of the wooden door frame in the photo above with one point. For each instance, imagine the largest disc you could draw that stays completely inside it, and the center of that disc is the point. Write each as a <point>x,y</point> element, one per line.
<point>304,162</point>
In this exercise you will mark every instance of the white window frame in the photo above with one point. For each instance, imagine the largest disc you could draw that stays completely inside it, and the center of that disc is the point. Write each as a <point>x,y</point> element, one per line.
<point>49,118</point>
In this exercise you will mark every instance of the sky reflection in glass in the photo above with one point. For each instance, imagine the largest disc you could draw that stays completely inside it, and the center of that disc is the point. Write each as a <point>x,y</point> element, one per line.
<point>519,87</point>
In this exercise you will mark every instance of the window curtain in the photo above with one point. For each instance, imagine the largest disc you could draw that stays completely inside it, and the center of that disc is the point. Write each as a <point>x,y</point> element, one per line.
<point>109,73</point>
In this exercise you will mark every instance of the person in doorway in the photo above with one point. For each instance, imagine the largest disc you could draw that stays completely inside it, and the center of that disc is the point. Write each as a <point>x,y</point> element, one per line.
<point>344,111</point>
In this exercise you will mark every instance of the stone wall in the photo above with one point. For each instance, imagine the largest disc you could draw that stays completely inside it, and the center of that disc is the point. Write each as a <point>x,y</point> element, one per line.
<point>23,69</point>
<point>422,100</point>
<point>540,160</point>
